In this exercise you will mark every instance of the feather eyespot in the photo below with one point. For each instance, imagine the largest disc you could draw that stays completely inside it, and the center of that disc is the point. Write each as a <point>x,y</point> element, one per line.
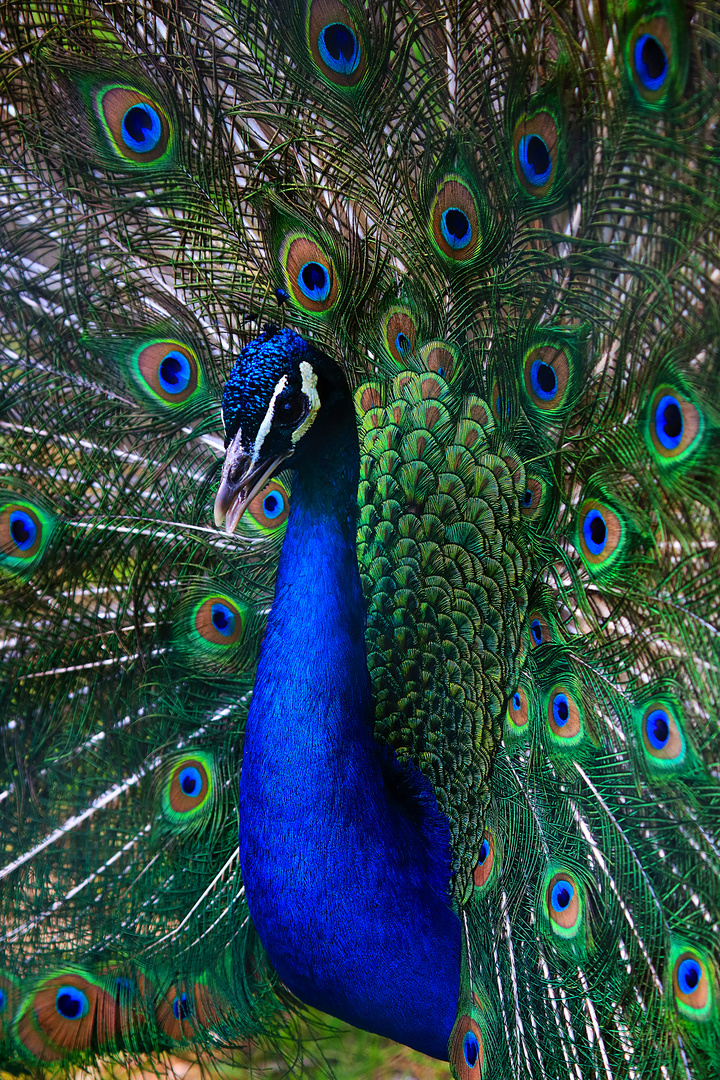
<point>674,426</point>
<point>601,534</point>
<point>137,127</point>
<point>441,358</point>
<point>168,372</point>
<point>467,1053</point>
<point>399,333</point>
<point>662,737</point>
<point>563,713</point>
<point>268,511</point>
<point>25,532</point>
<point>518,709</point>
<point>692,984</point>
<point>486,861</point>
<point>547,375</point>
<point>219,621</point>
<point>68,1013</point>
<point>309,274</point>
<point>185,1009</point>
<point>650,62</point>
<point>455,217</point>
<point>535,143</point>
<point>540,633</point>
<point>533,498</point>
<point>188,788</point>
<point>335,43</point>
<point>563,904</point>
<point>650,52</point>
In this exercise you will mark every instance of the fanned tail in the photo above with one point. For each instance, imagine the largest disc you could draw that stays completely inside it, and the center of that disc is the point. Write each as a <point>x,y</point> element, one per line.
<point>503,221</point>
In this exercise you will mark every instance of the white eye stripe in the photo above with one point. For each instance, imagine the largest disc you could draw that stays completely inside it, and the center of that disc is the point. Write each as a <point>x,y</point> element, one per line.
<point>267,419</point>
<point>309,389</point>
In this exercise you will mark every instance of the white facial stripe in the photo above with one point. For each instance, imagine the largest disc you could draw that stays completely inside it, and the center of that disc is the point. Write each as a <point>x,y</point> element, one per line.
<point>309,389</point>
<point>267,419</point>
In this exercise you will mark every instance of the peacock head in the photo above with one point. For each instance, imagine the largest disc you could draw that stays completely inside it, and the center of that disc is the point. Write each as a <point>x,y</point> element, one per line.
<point>271,401</point>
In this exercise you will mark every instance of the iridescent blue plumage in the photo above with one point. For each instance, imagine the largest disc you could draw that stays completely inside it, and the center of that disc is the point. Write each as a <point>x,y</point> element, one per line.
<point>345,856</point>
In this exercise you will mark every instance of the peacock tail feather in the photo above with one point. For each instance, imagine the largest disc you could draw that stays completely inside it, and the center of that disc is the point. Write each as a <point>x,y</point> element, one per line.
<point>503,221</point>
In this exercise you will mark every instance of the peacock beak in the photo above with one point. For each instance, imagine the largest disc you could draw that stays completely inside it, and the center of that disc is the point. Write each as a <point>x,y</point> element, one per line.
<point>241,480</point>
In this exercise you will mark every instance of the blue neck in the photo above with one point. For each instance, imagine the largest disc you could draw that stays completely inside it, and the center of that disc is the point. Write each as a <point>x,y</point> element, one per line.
<point>345,857</point>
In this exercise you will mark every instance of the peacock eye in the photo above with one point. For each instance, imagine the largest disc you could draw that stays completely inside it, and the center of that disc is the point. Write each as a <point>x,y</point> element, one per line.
<point>651,62</point>
<point>339,48</point>
<point>290,410</point>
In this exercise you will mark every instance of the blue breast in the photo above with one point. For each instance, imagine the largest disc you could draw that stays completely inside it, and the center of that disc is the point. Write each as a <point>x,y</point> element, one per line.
<point>345,856</point>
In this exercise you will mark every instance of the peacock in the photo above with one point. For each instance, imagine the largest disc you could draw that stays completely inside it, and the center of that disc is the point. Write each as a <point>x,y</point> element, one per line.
<point>359,507</point>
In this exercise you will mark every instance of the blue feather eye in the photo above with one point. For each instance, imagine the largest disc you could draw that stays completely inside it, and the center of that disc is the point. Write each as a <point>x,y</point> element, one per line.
<point>335,43</point>
<point>456,228</point>
<point>466,1049</point>
<point>182,1007</point>
<point>136,126</point>
<point>535,150</point>
<point>399,332</point>
<point>471,1049</point>
<point>501,405</point>
<point>188,789</point>
<point>267,511</point>
<point>656,57</point>
<point>222,618</point>
<point>539,631</point>
<point>657,728</point>
<point>191,782</point>
<point>174,373</point>
<point>543,380</point>
<point>535,160</point>
<point>533,499</point>
<point>692,982</point>
<point>309,274</point>
<point>601,534</point>
<point>564,904</point>
<point>455,220</point>
<point>3,1000</point>
<point>561,895</point>
<point>595,532</point>
<point>314,281</point>
<point>662,737</point>
<point>141,128</point>
<point>669,422</point>
<point>24,534</point>
<point>486,861</point>
<point>218,621</point>
<point>339,48</point>
<point>68,1013</point>
<point>273,504</point>
<point>403,345</point>
<point>168,373</point>
<point>23,530</point>
<point>71,1003</point>
<point>689,976</point>
<point>561,710</point>
<point>564,715</point>
<point>517,712</point>
<point>546,372</point>
<point>674,426</point>
<point>651,62</point>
